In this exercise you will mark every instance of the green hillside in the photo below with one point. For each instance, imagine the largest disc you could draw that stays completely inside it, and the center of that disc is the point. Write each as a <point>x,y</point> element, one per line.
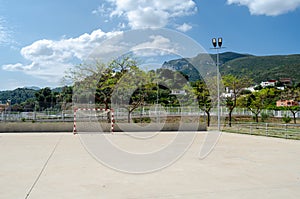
<point>258,68</point>
<point>261,68</point>
<point>20,95</point>
<point>17,96</point>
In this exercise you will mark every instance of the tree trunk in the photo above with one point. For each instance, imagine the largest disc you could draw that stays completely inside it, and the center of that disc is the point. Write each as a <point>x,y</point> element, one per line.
<point>256,117</point>
<point>230,117</point>
<point>208,118</point>
<point>294,116</point>
<point>108,117</point>
<point>129,116</point>
<point>108,113</point>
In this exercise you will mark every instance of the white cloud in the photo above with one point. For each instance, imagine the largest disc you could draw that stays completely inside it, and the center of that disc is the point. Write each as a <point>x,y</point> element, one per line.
<point>102,10</point>
<point>157,45</point>
<point>50,59</point>
<point>184,27</point>
<point>151,13</point>
<point>268,7</point>
<point>5,33</point>
<point>13,67</point>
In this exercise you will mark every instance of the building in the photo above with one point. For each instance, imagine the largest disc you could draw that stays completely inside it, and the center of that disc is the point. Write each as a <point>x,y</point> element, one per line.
<point>280,103</point>
<point>228,93</point>
<point>178,92</point>
<point>271,82</point>
<point>286,81</point>
<point>3,107</point>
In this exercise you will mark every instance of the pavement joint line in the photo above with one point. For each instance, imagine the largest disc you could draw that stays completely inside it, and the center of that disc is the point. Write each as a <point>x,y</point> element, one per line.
<point>43,168</point>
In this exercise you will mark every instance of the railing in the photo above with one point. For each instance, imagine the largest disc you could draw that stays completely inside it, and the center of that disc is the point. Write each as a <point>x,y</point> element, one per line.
<point>288,131</point>
<point>142,111</point>
<point>37,116</point>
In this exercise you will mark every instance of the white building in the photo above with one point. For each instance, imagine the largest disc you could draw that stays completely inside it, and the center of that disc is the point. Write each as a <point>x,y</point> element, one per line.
<point>268,83</point>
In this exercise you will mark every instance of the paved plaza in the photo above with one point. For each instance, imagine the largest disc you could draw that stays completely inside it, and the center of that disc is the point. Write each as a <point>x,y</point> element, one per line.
<point>57,165</point>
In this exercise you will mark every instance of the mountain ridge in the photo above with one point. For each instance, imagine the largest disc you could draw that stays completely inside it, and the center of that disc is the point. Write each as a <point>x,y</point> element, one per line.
<point>258,68</point>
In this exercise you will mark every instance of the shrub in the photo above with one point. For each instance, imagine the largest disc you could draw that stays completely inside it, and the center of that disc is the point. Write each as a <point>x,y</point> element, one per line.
<point>142,120</point>
<point>264,117</point>
<point>286,119</point>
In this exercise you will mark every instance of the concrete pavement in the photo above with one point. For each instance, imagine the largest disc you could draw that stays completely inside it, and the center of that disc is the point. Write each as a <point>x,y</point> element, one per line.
<point>240,166</point>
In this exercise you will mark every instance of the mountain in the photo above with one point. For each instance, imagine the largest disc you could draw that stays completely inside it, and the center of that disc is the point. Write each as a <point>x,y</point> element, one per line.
<point>258,68</point>
<point>33,88</point>
<point>20,95</point>
<point>262,68</point>
<point>17,96</point>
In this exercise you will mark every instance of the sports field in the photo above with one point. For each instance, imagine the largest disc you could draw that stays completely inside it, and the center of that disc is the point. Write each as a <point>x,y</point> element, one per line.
<point>56,165</point>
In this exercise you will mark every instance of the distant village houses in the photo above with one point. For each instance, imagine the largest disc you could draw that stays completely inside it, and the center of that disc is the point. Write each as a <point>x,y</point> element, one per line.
<point>178,92</point>
<point>286,81</point>
<point>285,103</point>
<point>268,83</point>
<point>4,107</point>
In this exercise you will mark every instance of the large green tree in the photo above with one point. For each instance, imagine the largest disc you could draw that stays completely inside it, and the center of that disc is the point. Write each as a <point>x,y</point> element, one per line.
<point>101,83</point>
<point>203,97</point>
<point>234,86</point>
<point>259,100</point>
<point>45,98</point>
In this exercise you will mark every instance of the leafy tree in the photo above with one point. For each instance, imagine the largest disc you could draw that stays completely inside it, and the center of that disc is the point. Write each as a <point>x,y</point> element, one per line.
<point>65,97</point>
<point>98,82</point>
<point>292,94</point>
<point>130,90</point>
<point>45,98</point>
<point>259,100</point>
<point>235,85</point>
<point>202,94</point>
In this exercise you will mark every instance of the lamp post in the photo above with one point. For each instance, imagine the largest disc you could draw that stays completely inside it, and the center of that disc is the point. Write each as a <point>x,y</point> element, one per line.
<point>218,45</point>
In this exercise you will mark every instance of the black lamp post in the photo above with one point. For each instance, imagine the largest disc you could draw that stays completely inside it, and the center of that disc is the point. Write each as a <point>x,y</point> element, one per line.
<point>217,44</point>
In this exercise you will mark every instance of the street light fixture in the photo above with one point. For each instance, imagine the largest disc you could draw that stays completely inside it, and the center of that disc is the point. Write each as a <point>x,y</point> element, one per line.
<point>214,42</point>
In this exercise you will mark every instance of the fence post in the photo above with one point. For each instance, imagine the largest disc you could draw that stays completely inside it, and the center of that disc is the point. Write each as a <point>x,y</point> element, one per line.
<point>285,131</point>
<point>250,128</point>
<point>267,134</point>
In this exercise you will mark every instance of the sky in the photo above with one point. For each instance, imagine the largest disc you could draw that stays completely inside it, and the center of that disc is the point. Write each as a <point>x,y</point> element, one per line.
<point>41,40</point>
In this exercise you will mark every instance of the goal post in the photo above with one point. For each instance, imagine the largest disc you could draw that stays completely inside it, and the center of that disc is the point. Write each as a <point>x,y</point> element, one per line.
<point>93,120</point>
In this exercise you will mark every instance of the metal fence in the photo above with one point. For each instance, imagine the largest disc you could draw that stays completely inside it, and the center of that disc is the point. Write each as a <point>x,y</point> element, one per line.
<point>141,111</point>
<point>288,131</point>
<point>37,116</point>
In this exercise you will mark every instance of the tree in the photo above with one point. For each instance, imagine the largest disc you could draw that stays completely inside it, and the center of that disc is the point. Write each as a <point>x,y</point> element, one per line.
<point>65,97</point>
<point>45,98</point>
<point>98,82</point>
<point>202,94</point>
<point>130,90</point>
<point>259,100</point>
<point>292,94</point>
<point>235,85</point>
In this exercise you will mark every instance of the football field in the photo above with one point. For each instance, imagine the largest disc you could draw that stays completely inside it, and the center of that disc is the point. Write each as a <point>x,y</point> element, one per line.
<point>57,165</point>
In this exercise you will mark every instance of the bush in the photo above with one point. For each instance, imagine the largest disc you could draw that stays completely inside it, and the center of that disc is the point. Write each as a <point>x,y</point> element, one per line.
<point>245,92</point>
<point>23,119</point>
<point>264,117</point>
<point>142,120</point>
<point>286,119</point>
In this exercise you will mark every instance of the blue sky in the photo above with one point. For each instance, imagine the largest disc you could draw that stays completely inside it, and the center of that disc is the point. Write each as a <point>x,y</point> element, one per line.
<point>39,40</point>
